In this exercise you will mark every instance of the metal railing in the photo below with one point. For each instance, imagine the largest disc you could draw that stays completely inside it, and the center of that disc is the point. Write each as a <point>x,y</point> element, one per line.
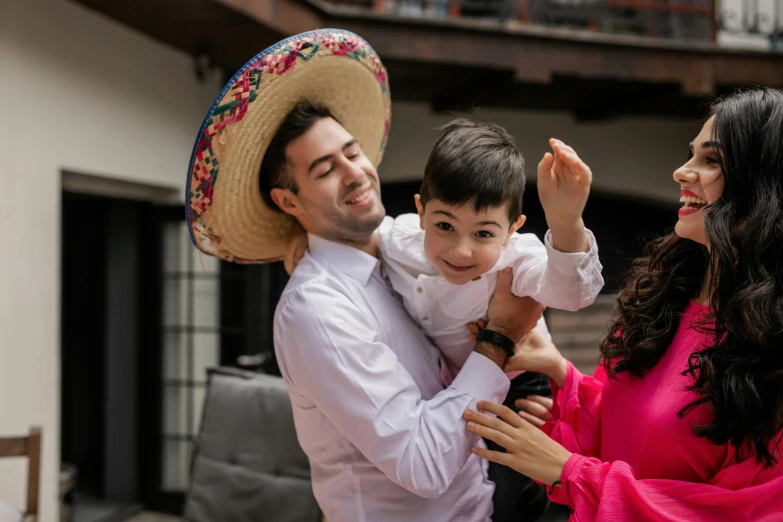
<point>673,19</point>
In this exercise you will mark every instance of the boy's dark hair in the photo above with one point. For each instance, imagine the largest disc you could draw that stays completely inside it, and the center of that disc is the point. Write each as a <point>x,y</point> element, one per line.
<point>272,173</point>
<point>475,162</point>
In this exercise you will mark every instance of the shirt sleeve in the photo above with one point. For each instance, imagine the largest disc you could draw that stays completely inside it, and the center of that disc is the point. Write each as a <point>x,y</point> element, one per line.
<point>576,412</point>
<point>566,281</point>
<point>332,356</point>
<point>598,490</point>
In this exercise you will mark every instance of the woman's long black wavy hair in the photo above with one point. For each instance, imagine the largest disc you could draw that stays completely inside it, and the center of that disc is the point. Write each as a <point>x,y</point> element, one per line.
<point>740,376</point>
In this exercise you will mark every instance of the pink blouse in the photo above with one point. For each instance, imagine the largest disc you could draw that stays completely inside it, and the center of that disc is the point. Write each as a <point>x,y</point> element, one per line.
<point>634,459</point>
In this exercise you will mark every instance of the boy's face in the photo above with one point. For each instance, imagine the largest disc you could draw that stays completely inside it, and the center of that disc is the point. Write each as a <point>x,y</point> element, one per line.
<point>461,243</point>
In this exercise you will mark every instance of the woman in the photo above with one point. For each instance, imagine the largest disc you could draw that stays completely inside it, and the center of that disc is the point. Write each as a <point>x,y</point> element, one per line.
<point>684,418</point>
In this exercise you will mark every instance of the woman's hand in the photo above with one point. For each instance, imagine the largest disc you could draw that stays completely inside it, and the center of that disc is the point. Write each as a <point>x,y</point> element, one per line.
<point>530,451</point>
<point>536,353</point>
<point>535,409</point>
<point>295,249</point>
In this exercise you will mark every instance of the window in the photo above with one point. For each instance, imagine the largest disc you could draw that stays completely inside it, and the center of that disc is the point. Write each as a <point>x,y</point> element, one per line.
<point>190,341</point>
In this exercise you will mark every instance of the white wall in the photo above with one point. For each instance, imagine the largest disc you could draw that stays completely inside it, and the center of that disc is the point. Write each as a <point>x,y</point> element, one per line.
<point>631,156</point>
<point>80,93</point>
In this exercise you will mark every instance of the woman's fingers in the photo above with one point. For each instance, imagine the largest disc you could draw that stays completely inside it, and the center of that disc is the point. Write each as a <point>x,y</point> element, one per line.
<point>496,423</point>
<point>534,408</point>
<point>506,414</point>
<point>546,402</point>
<point>535,421</point>
<point>493,456</point>
<point>496,436</point>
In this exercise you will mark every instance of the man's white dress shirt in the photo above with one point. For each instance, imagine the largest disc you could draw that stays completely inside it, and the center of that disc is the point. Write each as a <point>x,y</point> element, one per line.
<point>553,278</point>
<point>385,440</point>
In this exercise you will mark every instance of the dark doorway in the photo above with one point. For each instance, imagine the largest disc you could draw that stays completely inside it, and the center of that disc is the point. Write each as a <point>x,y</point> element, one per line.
<point>83,339</point>
<point>99,378</point>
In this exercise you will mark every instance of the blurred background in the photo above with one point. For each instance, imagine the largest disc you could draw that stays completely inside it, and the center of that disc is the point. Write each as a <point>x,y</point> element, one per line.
<point>110,319</point>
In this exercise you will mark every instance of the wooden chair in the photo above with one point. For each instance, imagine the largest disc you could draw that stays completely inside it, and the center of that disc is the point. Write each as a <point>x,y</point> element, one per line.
<point>27,446</point>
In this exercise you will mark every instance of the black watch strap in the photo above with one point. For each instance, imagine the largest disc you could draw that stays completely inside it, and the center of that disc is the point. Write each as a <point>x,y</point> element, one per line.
<point>498,339</point>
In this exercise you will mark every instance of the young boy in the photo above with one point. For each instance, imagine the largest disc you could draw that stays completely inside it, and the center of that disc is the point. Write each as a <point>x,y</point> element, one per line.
<point>444,262</point>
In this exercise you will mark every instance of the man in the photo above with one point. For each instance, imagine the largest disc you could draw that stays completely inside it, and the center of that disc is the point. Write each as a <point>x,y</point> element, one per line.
<point>385,440</point>
<point>382,435</point>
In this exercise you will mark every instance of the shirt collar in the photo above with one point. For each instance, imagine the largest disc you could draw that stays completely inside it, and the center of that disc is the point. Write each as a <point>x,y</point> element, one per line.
<point>355,263</point>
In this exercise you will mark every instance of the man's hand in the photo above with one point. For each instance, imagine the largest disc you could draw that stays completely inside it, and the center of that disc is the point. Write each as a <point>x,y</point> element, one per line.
<point>509,315</point>
<point>563,187</point>
<point>536,353</point>
<point>295,249</point>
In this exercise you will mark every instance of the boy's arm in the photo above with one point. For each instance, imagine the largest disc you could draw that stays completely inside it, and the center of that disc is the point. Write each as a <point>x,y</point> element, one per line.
<point>566,274</point>
<point>565,281</point>
<point>563,187</point>
<point>570,238</point>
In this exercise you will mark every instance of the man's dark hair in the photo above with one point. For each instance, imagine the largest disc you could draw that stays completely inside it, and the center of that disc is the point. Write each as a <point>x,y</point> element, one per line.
<point>273,172</point>
<point>475,162</point>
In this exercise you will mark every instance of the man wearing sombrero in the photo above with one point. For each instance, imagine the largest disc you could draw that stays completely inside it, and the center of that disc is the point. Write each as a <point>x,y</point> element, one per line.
<point>296,136</point>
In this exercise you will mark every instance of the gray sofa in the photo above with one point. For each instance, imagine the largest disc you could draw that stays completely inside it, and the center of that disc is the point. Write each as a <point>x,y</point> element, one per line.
<point>248,465</point>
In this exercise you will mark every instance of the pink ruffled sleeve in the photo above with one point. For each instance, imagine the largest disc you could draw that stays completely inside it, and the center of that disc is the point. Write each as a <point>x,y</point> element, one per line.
<point>576,412</point>
<point>598,490</point>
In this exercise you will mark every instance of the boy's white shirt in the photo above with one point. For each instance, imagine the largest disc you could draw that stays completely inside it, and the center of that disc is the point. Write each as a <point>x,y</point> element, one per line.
<point>565,281</point>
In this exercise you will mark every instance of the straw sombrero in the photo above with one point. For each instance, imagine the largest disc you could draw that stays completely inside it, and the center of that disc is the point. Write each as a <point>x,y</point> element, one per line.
<point>226,215</point>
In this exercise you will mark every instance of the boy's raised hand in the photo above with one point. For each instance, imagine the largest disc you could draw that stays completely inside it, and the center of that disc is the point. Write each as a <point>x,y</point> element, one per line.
<point>563,187</point>
<point>563,183</point>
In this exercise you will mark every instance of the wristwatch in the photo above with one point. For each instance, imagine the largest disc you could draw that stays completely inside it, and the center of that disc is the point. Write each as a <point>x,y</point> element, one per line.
<point>498,339</point>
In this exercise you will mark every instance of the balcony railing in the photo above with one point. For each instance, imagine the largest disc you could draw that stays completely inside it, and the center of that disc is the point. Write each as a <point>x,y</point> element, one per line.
<point>674,19</point>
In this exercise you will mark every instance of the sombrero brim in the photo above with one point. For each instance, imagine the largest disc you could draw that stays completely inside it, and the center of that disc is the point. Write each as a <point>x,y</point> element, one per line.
<point>226,214</point>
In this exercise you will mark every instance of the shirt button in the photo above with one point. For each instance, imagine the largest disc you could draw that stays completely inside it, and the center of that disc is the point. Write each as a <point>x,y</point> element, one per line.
<point>419,290</point>
<point>425,318</point>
